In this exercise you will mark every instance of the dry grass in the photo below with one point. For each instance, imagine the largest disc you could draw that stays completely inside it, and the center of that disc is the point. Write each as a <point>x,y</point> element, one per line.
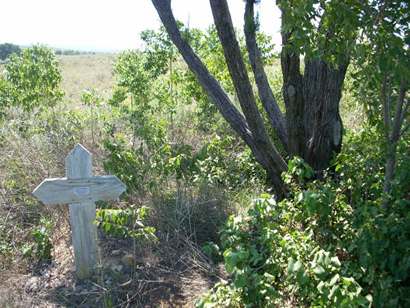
<point>87,71</point>
<point>172,273</point>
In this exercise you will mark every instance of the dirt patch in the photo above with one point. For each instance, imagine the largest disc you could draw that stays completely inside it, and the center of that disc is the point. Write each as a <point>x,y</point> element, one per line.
<point>171,273</point>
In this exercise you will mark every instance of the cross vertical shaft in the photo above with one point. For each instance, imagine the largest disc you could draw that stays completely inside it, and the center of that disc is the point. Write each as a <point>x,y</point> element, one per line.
<point>82,215</point>
<point>80,189</point>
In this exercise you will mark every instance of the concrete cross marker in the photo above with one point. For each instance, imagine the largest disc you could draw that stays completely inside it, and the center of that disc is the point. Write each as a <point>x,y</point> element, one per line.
<point>80,189</point>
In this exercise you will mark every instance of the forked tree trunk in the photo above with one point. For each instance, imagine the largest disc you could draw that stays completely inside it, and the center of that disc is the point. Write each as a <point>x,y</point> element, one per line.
<point>312,128</point>
<point>248,126</point>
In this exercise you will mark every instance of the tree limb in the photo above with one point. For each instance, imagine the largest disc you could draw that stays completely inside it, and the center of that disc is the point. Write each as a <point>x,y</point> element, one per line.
<point>394,127</point>
<point>399,114</point>
<point>265,93</point>
<point>206,80</point>
<point>405,111</point>
<point>385,97</point>
<point>243,87</point>
<point>272,162</point>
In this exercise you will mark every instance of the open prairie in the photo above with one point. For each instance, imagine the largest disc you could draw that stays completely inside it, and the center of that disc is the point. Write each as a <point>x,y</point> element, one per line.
<point>81,72</point>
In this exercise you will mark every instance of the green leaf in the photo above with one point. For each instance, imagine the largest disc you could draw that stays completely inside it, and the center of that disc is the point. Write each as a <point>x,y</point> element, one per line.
<point>319,270</point>
<point>335,261</point>
<point>294,266</point>
<point>334,280</point>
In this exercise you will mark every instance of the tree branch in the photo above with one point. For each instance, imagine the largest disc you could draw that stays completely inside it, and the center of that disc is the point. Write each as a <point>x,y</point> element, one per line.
<point>206,80</point>
<point>270,160</point>
<point>265,93</point>
<point>292,89</point>
<point>399,114</point>
<point>385,96</point>
<point>403,116</point>
<point>243,87</point>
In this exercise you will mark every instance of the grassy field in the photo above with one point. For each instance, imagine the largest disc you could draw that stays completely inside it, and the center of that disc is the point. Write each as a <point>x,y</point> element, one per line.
<point>82,72</point>
<point>86,72</point>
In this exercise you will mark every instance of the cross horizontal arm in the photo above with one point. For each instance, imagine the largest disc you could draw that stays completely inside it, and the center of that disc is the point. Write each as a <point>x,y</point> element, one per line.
<point>63,190</point>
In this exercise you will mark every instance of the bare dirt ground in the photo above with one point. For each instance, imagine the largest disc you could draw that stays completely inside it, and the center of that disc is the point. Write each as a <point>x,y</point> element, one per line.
<point>173,273</point>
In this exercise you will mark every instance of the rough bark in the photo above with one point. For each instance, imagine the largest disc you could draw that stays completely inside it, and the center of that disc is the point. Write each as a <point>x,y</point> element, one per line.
<point>393,127</point>
<point>321,118</point>
<point>240,79</point>
<point>268,100</point>
<point>312,103</point>
<point>248,129</point>
<point>292,93</point>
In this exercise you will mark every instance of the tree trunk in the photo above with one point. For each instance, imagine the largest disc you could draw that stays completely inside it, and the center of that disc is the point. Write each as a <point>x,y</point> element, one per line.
<point>393,128</point>
<point>321,119</point>
<point>268,100</point>
<point>312,128</point>
<point>248,128</point>
<point>292,91</point>
<point>390,167</point>
<point>243,87</point>
<point>312,103</point>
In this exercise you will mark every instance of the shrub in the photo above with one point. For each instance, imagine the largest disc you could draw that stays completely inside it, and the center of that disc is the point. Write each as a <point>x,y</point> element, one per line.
<point>33,79</point>
<point>330,243</point>
<point>42,246</point>
<point>270,261</point>
<point>127,223</point>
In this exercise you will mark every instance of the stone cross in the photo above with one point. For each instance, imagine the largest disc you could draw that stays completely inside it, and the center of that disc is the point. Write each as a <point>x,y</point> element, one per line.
<point>80,189</point>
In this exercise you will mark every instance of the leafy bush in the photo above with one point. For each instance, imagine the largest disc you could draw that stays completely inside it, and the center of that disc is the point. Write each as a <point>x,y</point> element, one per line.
<point>125,223</point>
<point>5,96</point>
<point>331,243</point>
<point>42,242</point>
<point>380,247</point>
<point>144,155</point>
<point>271,262</point>
<point>217,163</point>
<point>33,79</point>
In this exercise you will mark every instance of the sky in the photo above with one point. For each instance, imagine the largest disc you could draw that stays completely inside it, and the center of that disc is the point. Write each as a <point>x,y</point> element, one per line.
<point>109,25</point>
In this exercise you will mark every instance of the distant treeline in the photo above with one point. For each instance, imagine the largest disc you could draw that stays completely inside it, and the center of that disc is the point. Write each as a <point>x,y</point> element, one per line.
<point>71,52</point>
<point>7,49</point>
